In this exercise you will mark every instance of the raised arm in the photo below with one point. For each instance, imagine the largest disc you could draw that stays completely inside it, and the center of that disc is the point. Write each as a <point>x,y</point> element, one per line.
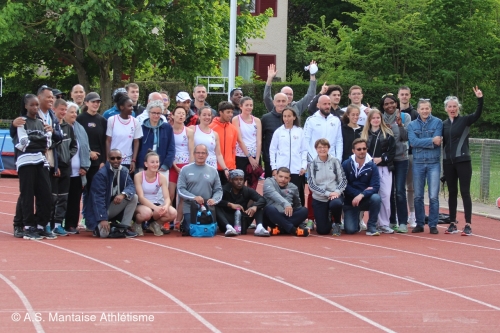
<point>268,99</point>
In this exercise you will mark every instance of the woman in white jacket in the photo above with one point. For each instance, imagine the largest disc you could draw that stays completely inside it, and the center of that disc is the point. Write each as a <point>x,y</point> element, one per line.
<point>288,150</point>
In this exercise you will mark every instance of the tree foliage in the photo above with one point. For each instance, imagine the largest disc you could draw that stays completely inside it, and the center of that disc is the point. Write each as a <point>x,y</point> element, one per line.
<point>439,47</point>
<point>101,39</point>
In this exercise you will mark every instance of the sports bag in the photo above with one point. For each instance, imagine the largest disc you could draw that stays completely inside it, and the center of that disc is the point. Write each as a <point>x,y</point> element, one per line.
<point>202,222</point>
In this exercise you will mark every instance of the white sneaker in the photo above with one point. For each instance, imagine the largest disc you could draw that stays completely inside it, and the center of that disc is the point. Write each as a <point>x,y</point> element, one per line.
<point>137,228</point>
<point>260,231</point>
<point>155,228</point>
<point>230,231</point>
<point>342,225</point>
<point>411,220</point>
<point>385,229</point>
<point>362,225</point>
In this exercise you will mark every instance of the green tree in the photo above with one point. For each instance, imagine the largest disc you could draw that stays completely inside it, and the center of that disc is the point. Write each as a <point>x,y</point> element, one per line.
<point>105,38</point>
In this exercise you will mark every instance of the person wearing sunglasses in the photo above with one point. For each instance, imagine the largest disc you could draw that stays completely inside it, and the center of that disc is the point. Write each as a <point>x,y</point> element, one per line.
<point>361,192</point>
<point>111,194</point>
<point>424,135</point>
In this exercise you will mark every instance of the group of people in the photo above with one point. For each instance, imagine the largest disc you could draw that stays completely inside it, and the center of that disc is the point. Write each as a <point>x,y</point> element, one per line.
<point>134,164</point>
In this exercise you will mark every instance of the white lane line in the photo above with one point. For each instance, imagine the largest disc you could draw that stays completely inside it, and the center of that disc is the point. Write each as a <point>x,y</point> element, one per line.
<point>6,214</point>
<point>410,252</point>
<point>8,192</point>
<point>14,202</point>
<point>488,238</point>
<point>138,278</point>
<point>27,304</point>
<point>447,241</point>
<point>374,271</point>
<point>337,305</point>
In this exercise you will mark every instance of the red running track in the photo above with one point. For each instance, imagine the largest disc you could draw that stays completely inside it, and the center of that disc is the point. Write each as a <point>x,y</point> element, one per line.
<point>353,283</point>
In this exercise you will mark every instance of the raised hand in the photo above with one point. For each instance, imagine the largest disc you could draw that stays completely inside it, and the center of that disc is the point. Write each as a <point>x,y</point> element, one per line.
<point>324,88</point>
<point>478,92</point>
<point>271,71</point>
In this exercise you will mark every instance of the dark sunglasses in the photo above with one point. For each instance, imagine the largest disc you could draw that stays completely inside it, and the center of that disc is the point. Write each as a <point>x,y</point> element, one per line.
<point>115,158</point>
<point>360,149</point>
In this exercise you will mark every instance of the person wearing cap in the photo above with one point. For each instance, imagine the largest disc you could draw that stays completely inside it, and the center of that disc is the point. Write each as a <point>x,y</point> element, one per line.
<point>199,101</point>
<point>183,99</point>
<point>58,94</point>
<point>235,95</point>
<point>133,92</point>
<point>298,106</point>
<point>114,110</point>
<point>95,126</point>
<point>237,196</point>
<point>78,95</point>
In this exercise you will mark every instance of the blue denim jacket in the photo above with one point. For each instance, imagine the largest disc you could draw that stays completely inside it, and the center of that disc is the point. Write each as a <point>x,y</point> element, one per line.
<point>420,136</point>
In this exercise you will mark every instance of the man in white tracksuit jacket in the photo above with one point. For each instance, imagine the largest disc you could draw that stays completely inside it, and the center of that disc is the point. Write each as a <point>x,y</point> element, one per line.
<point>323,125</point>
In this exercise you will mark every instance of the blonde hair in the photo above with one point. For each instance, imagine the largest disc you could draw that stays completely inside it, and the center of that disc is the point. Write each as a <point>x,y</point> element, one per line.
<point>386,130</point>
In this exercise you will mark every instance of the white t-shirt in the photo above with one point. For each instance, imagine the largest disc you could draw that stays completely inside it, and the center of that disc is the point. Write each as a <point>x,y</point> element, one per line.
<point>362,115</point>
<point>122,133</point>
<point>249,136</point>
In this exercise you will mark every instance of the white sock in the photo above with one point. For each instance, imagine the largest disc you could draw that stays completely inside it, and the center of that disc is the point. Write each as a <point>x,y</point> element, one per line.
<point>40,227</point>
<point>259,226</point>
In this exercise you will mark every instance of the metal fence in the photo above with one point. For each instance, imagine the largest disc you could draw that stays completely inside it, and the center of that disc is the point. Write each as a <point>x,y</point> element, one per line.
<point>485,184</point>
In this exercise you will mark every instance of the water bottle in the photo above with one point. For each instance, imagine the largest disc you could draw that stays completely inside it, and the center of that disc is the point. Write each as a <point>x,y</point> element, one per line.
<point>203,208</point>
<point>237,221</point>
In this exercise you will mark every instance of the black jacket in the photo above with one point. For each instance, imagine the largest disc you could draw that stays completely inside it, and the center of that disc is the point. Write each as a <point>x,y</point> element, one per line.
<point>456,136</point>
<point>271,121</point>
<point>246,194</point>
<point>348,136</point>
<point>378,146</point>
<point>66,148</point>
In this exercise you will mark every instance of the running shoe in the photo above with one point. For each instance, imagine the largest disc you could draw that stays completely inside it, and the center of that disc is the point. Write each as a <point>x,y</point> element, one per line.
<point>230,231</point>
<point>59,231</point>
<point>260,231</point>
<point>155,228</point>
<point>46,234</point>
<point>137,227</point>
<point>130,234</point>
<point>362,225</point>
<point>72,231</point>
<point>372,233</point>
<point>452,229</point>
<point>411,220</point>
<point>32,234</point>
<point>417,229</point>
<point>274,231</point>
<point>336,229</point>
<point>434,230</point>
<point>252,226</point>
<point>166,228</point>
<point>302,232</point>
<point>385,229</point>
<point>467,230</point>
<point>402,229</point>
<point>18,232</point>
<point>393,226</point>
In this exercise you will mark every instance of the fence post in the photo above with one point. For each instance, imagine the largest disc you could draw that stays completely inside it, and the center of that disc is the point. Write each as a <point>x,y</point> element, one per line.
<point>484,187</point>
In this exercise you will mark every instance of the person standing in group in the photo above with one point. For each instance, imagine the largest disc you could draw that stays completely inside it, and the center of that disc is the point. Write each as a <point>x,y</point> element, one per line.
<point>184,147</point>
<point>327,183</point>
<point>205,135</point>
<point>95,127</point>
<point>250,130</point>
<point>335,93</point>
<point>61,174</point>
<point>158,137</point>
<point>288,150</point>
<point>78,95</point>
<point>80,163</point>
<point>424,135</point>
<point>31,141</point>
<point>200,100</point>
<point>124,131</point>
<point>404,96</point>
<point>152,193</point>
<point>114,110</point>
<point>271,122</point>
<point>133,92</point>
<point>356,98</point>
<point>229,137</point>
<point>382,148</point>
<point>457,165</point>
<point>351,130</point>
<point>299,106</point>
<point>398,123</point>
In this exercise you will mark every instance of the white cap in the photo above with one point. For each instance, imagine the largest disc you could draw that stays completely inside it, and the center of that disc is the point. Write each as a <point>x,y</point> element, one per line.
<point>182,96</point>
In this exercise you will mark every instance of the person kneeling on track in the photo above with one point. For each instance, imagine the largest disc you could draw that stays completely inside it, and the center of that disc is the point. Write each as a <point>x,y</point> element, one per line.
<point>111,194</point>
<point>237,196</point>
<point>283,210</point>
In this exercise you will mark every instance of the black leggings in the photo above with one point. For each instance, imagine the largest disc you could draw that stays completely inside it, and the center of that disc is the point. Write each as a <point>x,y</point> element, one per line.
<point>300,182</point>
<point>453,173</point>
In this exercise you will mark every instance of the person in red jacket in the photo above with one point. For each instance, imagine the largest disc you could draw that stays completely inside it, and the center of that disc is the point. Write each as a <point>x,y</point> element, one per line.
<point>228,136</point>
